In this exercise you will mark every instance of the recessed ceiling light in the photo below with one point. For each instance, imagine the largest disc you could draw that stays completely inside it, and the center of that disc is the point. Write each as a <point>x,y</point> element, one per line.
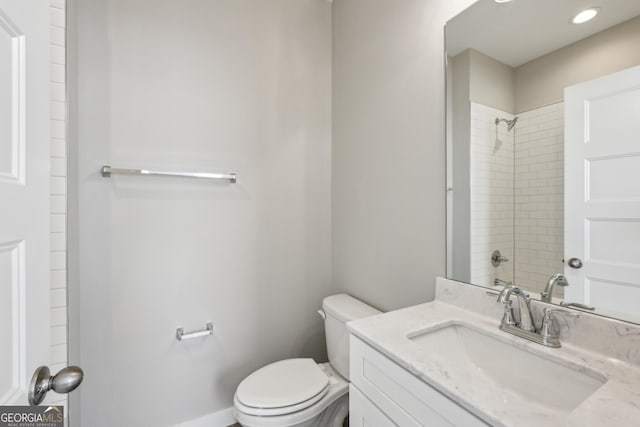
<point>502,1</point>
<point>585,15</point>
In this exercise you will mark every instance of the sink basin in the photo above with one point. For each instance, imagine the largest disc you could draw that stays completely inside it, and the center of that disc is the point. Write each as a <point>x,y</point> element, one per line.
<point>482,362</point>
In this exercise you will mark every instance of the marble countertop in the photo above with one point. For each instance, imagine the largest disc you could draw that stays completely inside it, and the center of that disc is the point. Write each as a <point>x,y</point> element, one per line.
<point>615,403</point>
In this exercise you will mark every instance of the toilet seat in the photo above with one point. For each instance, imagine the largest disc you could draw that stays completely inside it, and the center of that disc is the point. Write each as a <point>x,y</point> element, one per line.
<point>284,410</point>
<point>282,388</point>
<point>334,397</point>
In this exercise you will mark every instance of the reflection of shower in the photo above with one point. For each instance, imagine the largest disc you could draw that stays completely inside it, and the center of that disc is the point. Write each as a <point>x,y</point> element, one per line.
<point>510,123</point>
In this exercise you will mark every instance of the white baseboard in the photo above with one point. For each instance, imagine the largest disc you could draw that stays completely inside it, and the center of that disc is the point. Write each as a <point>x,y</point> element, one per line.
<point>222,418</point>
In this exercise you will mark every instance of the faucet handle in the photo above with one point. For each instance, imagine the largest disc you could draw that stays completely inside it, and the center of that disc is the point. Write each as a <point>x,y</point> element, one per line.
<point>549,328</point>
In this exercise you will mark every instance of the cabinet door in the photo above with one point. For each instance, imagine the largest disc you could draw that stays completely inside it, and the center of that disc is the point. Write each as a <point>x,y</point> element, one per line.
<point>405,399</point>
<point>363,413</point>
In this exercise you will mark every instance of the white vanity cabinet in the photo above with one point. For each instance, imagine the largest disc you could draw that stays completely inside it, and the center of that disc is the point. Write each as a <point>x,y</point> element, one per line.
<point>384,394</point>
<point>362,412</point>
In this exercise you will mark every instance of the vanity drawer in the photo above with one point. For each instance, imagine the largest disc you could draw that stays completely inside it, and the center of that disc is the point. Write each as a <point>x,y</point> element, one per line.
<point>363,413</point>
<point>406,399</point>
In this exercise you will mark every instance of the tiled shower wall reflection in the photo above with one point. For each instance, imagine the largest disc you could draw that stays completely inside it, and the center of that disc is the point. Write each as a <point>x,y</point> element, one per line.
<point>517,209</point>
<point>539,195</point>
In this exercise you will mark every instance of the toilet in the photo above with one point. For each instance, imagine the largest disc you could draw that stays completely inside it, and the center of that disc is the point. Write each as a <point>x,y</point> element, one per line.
<point>301,392</point>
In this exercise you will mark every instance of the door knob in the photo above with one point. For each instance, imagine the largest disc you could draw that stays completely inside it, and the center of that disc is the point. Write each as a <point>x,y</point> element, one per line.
<point>65,381</point>
<point>575,263</point>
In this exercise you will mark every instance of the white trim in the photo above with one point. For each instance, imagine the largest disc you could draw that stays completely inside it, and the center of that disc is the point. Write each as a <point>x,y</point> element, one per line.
<point>222,418</point>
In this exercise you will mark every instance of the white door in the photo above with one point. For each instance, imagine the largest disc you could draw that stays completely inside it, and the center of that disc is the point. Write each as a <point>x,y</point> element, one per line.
<point>602,193</point>
<point>24,194</point>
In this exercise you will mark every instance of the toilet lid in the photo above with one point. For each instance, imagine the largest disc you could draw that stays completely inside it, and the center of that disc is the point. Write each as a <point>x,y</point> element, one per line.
<point>281,384</point>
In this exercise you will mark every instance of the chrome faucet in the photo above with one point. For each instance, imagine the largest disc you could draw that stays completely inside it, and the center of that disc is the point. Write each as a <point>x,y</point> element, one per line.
<point>556,279</point>
<point>524,326</point>
<point>503,292</point>
<point>525,321</point>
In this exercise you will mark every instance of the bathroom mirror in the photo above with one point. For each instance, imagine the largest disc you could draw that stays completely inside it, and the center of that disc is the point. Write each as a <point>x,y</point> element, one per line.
<point>508,65</point>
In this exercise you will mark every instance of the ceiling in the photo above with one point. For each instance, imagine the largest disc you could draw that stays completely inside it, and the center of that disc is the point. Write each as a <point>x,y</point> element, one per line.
<point>514,33</point>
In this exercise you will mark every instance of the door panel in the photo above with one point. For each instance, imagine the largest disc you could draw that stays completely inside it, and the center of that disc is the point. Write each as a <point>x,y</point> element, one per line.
<point>24,189</point>
<point>602,172</point>
<point>602,193</point>
<point>12,276</point>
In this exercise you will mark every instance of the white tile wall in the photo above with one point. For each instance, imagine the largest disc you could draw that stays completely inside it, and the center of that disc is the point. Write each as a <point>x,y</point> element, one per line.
<point>539,195</point>
<point>58,194</point>
<point>492,199</point>
<point>522,214</point>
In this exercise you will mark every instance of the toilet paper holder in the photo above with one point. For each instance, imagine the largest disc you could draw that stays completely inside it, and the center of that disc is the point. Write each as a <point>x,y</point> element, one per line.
<point>181,335</point>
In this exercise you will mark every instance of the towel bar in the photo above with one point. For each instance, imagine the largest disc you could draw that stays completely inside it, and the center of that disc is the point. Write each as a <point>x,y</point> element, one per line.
<point>107,171</point>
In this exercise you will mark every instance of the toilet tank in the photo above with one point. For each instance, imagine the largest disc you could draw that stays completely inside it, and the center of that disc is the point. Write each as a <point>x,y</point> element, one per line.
<point>340,309</point>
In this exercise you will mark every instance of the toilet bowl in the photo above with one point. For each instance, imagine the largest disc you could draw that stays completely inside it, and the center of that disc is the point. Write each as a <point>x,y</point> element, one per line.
<point>301,392</point>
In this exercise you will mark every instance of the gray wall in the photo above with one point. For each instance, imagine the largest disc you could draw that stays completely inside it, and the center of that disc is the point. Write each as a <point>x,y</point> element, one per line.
<point>542,81</point>
<point>492,83</point>
<point>388,148</point>
<point>242,86</point>
<point>460,138</point>
<point>482,79</point>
